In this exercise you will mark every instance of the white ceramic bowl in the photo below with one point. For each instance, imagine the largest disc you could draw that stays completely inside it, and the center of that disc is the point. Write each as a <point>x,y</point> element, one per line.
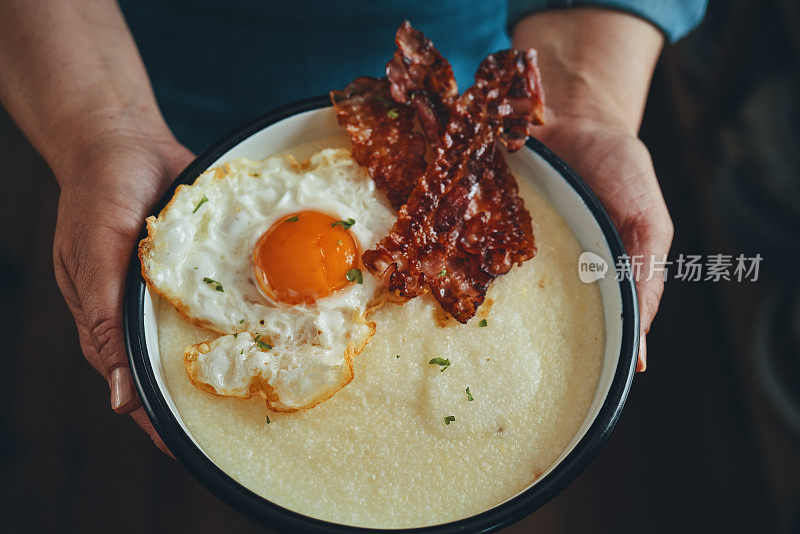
<point>313,119</point>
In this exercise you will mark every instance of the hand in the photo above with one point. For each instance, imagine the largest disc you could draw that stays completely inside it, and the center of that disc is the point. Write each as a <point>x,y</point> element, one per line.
<point>106,193</point>
<point>80,93</point>
<point>596,67</point>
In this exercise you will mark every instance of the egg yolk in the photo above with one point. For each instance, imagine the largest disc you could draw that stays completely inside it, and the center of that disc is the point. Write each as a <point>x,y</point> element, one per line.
<point>303,257</point>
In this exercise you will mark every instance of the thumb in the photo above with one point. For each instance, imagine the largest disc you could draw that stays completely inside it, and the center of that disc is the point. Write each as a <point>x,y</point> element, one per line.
<point>100,283</point>
<point>647,241</point>
<point>649,290</point>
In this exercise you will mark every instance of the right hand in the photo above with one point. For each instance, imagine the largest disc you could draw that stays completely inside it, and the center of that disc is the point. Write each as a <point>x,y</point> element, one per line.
<point>107,189</point>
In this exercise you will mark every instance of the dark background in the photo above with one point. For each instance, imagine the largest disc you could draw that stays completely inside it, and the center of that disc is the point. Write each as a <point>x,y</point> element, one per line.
<point>710,437</point>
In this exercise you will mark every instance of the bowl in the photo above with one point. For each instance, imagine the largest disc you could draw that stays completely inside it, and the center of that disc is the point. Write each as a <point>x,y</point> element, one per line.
<point>311,119</point>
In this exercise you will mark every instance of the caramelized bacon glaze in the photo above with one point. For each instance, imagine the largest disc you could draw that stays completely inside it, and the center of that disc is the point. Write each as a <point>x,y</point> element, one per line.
<point>464,223</point>
<point>383,136</point>
<point>514,76</point>
<point>422,78</point>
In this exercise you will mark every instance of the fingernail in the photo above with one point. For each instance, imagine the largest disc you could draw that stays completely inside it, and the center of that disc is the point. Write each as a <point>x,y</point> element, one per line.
<point>121,387</point>
<point>641,365</point>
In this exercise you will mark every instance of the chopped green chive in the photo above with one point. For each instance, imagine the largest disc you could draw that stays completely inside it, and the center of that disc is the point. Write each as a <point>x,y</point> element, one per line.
<point>442,273</point>
<point>396,355</point>
<point>202,201</point>
<point>339,242</point>
<point>235,335</point>
<point>241,322</point>
<point>263,345</point>
<point>214,283</point>
<point>354,275</point>
<point>292,219</point>
<point>445,363</point>
<point>344,224</point>
<point>482,323</point>
<point>469,395</point>
<point>268,421</point>
<point>449,419</point>
<point>392,113</point>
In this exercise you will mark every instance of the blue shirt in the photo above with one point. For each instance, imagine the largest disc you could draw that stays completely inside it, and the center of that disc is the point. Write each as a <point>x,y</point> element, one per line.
<point>215,64</point>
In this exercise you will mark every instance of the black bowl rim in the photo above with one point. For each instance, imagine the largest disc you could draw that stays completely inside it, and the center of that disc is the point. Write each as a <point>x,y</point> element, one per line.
<point>275,516</point>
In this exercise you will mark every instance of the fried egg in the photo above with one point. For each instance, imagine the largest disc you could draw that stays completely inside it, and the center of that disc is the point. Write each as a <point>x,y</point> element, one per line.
<point>270,251</point>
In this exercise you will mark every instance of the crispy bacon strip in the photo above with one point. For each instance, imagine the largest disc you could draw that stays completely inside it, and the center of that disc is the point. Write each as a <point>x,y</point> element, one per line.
<point>422,78</point>
<point>382,135</point>
<point>464,223</point>
<point>378,115</point>
<point>520,106</point>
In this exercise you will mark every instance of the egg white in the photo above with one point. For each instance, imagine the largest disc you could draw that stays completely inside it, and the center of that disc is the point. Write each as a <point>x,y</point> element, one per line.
<point>207,233</point>
<point>289,379</point>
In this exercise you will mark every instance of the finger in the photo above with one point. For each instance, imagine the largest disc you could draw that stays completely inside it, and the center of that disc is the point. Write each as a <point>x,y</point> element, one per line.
<point>86,346</point>
<point>124,398</point>
<point>123,395</point>
<point>94,359</point>
<point>73,302</point>
<point>70,294</point>
<point>647,240</point>
<point>641,363</point>
<point>140,417</point>
<point>64,282</point>
<point>649,292</point>
<point>649,299</point>
<point>101,278</point>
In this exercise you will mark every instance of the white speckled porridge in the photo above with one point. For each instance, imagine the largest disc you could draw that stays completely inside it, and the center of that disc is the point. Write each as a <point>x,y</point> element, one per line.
<point>379,454</point>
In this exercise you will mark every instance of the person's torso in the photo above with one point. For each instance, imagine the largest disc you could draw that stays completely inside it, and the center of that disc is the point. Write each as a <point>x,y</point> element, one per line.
<point>216,64</point>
